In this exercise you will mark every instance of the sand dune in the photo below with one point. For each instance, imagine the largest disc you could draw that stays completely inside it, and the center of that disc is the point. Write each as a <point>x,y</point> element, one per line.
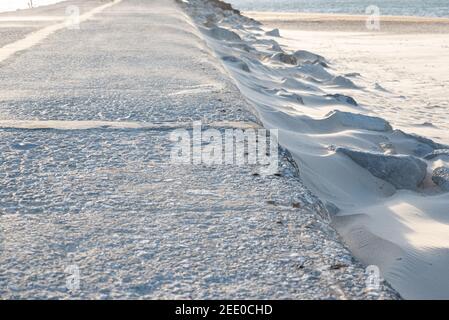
<point>305,96</point>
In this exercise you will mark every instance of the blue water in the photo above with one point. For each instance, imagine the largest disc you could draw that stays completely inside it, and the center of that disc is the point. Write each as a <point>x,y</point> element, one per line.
<point>429,8</point>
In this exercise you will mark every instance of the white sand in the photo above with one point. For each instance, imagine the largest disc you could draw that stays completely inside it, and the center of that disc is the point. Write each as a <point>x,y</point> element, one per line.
<point>406,234</point>
<point>403,80</point>
<point>403,59</point>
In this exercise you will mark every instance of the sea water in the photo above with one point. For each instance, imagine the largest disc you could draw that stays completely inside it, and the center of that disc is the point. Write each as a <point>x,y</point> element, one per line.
<point>427,8</point>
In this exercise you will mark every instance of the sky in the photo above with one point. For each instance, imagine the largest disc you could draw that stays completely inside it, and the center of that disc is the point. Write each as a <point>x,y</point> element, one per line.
<point>11,5</point>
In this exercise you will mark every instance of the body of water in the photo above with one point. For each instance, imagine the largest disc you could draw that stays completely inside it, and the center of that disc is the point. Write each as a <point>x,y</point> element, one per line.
<point>427,8</point>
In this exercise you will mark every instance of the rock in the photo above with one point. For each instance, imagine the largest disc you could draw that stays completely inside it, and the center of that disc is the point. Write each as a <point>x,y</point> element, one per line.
<point>337,266</point>
<point>429,142</point>
<point>358,121</point>
<point>223,6</point>
<point>307,56</point>
<point>417,145</point>
<point>343,98</point>
<point>352,75</point>
<point>323,64</point>
<point>427,124</point>
<point>290,96</point>
<point>434,145</point>
<point>380,88</point>
<point>296,204</point>
<point>238,63</point>
<point>285,58</point>
<point>273,33</point>
<point>331,208</point>
<point>315,71</point>
<point>387,147</point>
<point>402,171</point>
<point>440,177</point>
<point>211,21</point>
<point>209,24</point>
<point>344,82</point>
<point>223,34</point>
<point>276,47</point>
<point>437,153</point>
<point>242,46</point>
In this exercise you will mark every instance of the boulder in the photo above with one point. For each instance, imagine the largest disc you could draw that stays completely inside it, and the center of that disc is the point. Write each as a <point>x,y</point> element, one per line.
<point>236,62</point>
<point>290,96</point>
<point>223,34</point>
<point>307,56</point>
<point>276,47</point>
<point>425,143</point>
<point>223,6</point>
<point>331,208</point>
<point>343,98</point>
<point>273,33</point>
<point>437,153</point>
<point>358,121</point>
<point>344,82</point>
<point>285,58</point>
<point>440,177</point>
<point>402,171</point>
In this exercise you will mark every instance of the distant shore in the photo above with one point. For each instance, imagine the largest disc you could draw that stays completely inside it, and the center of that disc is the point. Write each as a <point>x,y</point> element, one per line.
<point>349,22</point>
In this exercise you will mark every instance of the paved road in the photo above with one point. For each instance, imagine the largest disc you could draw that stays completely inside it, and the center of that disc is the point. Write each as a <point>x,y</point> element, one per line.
<point>94,209</point>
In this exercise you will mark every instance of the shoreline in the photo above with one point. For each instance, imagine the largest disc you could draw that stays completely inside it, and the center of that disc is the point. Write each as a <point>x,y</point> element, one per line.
<point>348,22</point>
<point>344,16</point>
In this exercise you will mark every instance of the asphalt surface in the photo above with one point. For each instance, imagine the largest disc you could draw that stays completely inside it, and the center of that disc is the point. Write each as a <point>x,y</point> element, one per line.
<point>92,210</point>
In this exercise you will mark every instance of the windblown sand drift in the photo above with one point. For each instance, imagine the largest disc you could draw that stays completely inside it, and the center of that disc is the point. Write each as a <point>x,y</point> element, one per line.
<point>389,203</point>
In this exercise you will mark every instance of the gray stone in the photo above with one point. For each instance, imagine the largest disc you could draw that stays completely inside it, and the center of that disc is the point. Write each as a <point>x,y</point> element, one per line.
<point>424,145</point>
<point>291,96</point>
<point>437,153</point>
<point>332,208</point>
<point>307,56</point>
<point>441,178</point>
<point>402,171</point>
<point>285,58</point>
<point>343,98</point>
<point>358,121</point>
<point>223,34</point>
<point>273,33</point>
<point>236,62</point>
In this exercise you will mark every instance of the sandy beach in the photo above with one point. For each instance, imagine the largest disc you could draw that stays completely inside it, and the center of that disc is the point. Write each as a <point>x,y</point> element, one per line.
<point>349,22</point>
<point>400,74</point>
<point>406,57</point>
